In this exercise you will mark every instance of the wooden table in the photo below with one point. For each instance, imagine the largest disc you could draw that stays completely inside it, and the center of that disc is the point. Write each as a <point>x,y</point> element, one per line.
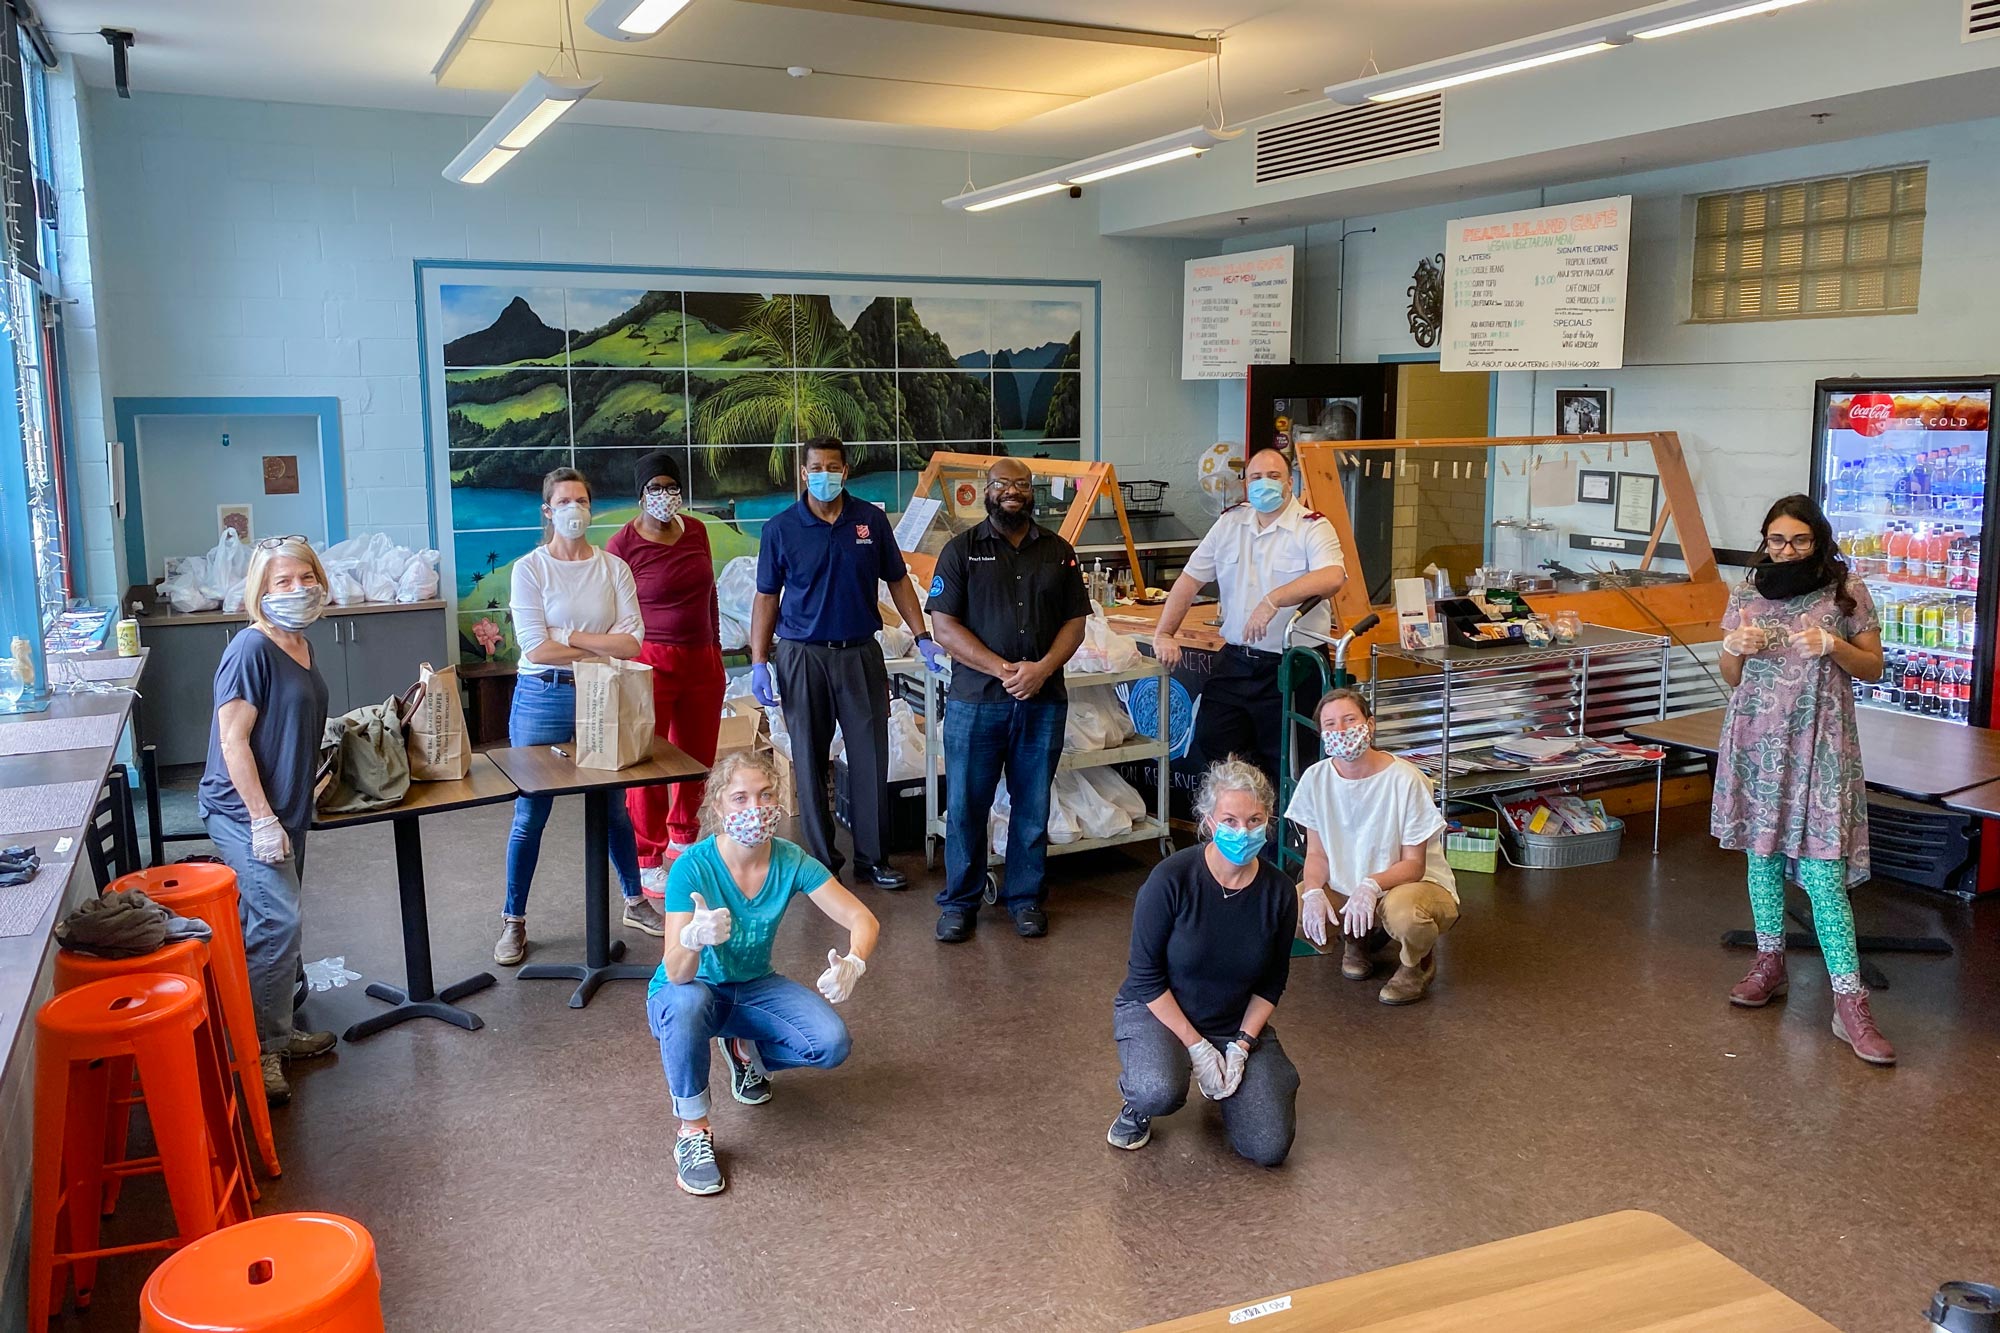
<point>1918,757</point>
<point>483,784</point>
<point>1983,800</point>
<point>546,770</point>
<point>1629,1271</point>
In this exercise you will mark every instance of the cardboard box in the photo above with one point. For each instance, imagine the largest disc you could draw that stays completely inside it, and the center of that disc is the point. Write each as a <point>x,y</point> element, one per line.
<point>742,726</point>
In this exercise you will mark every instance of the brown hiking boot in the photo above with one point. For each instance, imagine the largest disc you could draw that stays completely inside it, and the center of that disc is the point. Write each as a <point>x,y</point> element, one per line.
<point>1410,983</point>
<point>1355,960</point>
<point>1765,982</point>
<point>1853,1024</point>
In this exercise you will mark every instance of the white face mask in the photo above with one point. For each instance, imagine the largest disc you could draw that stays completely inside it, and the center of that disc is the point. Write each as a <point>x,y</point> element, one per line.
<point>571,519</point>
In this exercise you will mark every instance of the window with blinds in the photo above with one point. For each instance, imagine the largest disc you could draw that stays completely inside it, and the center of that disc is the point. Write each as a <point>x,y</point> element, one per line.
<point>1846,245</point>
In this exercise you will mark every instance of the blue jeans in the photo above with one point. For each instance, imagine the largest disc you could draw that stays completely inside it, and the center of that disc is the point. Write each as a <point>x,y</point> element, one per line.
<point>544,713</point>
<point>792,1026</point>
<point>267,901</point>
<point>1025,737</point>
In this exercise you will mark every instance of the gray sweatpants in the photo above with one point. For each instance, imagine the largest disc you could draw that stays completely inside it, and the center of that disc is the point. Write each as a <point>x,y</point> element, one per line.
<point>818,687</point>
<point>1260,1117</point>
<point>267,900</point>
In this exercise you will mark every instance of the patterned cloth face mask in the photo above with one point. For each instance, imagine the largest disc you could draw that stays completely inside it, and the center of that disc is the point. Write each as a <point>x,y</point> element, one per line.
<point>662,506</point>
<point>1345,744</point>
<point>293,610</point>
<point>752,826</point>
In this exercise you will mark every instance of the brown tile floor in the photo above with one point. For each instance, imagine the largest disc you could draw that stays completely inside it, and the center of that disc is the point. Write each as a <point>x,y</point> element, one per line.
<point>1577,1057</point>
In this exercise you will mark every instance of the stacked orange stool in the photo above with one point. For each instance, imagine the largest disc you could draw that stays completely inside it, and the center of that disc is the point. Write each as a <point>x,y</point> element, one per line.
<point>208,891</point>
<point>153,1019</point>
<point>288,1273</point>
<point>182,958</point>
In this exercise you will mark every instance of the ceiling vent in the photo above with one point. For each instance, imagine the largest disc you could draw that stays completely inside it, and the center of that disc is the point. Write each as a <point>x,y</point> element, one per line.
<point>1351,136</point>
<point>1982,19</point>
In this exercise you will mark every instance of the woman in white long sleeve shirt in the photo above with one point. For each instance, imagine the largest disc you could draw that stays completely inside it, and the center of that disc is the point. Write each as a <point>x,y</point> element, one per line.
<point>571,601</point>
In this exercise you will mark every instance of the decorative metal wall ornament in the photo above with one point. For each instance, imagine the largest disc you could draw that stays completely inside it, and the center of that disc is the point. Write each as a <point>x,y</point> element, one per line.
<point>1427,301</point>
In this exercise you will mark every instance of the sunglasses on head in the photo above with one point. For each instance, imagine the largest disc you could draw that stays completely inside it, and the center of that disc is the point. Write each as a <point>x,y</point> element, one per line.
<point>273,543</point>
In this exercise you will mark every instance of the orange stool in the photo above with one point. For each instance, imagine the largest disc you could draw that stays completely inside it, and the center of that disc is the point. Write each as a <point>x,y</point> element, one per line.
<point>183,958</point>
<point>200,889</point>
<point>287,1273</point>
<point>153,1019</point>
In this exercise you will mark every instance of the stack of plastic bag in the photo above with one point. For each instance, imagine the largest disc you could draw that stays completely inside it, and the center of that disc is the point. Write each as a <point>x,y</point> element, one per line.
<point>735,590</point>
<point>1104,649</point>
<point>372,568</point>
<point>186,589</point>
<point>906,743</point>
<point>228,563</point>
<point>1097,720</point>
<point>1084,803</point>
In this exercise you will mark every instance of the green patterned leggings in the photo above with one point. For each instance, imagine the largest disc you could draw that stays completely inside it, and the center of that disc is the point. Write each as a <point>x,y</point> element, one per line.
<point>1825,882</point>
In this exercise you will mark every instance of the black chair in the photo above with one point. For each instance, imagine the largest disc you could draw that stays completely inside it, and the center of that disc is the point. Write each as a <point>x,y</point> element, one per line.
<point>111,837</point>
<point>156,836</point>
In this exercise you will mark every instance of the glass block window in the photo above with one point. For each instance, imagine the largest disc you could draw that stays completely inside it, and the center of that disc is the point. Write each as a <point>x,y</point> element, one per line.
<point>1846,245</point>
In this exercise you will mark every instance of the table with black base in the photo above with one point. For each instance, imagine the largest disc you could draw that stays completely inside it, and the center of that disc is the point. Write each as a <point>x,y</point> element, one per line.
<point>483,784</point>
<point>1916,757</point>
<point>545,770</point>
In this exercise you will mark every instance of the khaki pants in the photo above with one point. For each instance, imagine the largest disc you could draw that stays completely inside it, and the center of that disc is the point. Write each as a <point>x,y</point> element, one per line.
<point>1413,915</point>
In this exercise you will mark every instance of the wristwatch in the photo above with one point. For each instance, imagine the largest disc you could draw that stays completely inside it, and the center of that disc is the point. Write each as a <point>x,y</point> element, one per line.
<point>1250,1043</point>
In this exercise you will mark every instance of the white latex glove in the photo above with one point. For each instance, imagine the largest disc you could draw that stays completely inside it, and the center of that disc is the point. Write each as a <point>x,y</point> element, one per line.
<point>842,971</point>
<point>1315,915</point>
<point>1209,1072</point>
<point>1743,641</point>
<point>1235,1059</point>
<point>707,926</point>
<point>1260,620</point>
<point>1815,642</point>
<point>269,842</point>
<point>1358,917</point>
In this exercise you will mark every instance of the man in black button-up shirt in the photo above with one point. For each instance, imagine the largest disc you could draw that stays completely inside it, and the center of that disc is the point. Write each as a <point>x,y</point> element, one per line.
<point>1008,604</point>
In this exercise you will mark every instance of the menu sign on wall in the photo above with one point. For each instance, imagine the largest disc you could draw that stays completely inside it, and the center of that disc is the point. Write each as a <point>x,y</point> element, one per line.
<point>1540,290</point>
<point>1236,312</point>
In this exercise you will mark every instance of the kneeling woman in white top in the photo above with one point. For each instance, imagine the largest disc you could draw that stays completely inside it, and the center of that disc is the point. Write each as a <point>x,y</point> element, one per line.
<point>1374,852</point>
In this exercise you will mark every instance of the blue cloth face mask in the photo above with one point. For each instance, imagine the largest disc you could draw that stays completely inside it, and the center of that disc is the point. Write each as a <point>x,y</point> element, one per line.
<point>1266,494</point>
<point>1239,846</point>
<point>825,486</point>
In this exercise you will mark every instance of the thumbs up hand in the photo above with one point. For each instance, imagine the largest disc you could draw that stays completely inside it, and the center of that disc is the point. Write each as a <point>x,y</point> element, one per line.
<point>842,971</point>
<point>707,926</point>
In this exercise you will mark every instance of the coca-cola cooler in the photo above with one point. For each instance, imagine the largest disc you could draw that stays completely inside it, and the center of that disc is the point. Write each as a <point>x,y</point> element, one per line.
<point>1901,466</point>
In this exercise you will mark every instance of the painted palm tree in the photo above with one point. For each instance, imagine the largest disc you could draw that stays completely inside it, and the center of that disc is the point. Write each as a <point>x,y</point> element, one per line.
<point>782,405</point>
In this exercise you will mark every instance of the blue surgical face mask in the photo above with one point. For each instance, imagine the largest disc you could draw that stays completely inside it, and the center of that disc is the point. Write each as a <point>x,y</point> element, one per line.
<point>1239,846</point>
<point>1266,494</point>
<point>825,486</point>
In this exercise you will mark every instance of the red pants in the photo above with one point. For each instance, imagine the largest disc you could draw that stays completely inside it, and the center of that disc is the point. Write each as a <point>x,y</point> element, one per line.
<point>687,713</point>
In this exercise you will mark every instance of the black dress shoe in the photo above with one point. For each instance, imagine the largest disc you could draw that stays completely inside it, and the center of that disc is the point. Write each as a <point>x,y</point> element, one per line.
<point>1031,923</point>
<point>954,926</point>
<point>883,877</point>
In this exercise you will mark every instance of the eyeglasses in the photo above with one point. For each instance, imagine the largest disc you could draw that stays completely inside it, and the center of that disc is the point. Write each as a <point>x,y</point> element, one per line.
<point>657,488</point>
<point>1012,487</point>
<point>1801,543</point>
<point>273,543</point>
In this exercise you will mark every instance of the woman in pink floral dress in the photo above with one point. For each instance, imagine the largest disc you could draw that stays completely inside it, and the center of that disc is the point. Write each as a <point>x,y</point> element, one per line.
<point>1788,786</point>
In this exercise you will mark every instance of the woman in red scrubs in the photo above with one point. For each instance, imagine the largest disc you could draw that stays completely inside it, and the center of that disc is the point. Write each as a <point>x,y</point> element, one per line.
<point>668,552</point>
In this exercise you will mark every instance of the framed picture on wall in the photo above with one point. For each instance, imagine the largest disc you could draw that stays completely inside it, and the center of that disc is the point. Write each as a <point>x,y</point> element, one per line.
<point>234,517</point>
<point>1638,503</point>
<point>1583,411</point>
<point>1594,488</point>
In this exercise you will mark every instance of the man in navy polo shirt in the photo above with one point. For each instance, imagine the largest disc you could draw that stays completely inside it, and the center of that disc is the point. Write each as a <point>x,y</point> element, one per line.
<point>816,572</point>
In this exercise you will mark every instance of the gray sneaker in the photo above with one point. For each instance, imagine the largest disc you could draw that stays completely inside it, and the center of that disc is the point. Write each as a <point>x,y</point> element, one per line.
<point>642,915</point>
<point>306,1045</point>
<point>746,1083</point>
<point>513,945</point>
<point>1130,1130</point>
<point>695,1169</point>
<point>276,1090</point>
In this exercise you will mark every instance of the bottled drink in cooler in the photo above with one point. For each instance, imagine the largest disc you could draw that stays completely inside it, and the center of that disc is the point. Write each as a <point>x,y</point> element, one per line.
<point>1913,629</point>
<point>1889,689</point>
<point>1952,624</point>
<point>1913,683</point>
<point>1937,556</point>
<point>1933,694</point>
<point>1933,619</point>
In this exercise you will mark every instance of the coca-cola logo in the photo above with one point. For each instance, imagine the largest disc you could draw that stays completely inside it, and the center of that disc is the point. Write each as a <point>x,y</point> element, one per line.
<point>1869,413</point>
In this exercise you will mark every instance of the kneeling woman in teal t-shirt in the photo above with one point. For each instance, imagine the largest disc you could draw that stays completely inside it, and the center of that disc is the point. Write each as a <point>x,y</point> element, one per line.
<point>725,897</point>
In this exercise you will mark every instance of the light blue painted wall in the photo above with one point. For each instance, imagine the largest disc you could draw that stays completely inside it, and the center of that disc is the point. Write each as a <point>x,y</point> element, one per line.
<point>185,472</point>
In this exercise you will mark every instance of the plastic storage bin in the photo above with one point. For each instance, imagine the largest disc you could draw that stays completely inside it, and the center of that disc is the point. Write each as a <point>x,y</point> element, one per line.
<point>1476,850</point>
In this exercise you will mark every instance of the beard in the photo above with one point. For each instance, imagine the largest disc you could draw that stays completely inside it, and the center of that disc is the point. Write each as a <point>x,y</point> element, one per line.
<point>1009,520</point>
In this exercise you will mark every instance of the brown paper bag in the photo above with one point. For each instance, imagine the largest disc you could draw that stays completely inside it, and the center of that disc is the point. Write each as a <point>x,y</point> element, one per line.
<point>614,713</point>
<point>434,727</point>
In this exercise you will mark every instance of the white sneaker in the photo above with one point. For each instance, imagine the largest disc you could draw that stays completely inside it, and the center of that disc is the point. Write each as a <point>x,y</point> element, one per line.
<point>653,880</point>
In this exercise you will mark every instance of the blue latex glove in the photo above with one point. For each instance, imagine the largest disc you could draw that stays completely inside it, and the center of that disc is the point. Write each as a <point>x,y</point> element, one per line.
<point>761,685</point>
<point>932,654</point>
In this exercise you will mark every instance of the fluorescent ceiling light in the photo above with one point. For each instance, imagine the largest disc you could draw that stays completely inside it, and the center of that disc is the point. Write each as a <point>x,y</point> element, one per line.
<point>632,20</point>
<point>1738,12</point>
<point>540,103</point>
<point>1167,148</point>
<point>1491,71</point>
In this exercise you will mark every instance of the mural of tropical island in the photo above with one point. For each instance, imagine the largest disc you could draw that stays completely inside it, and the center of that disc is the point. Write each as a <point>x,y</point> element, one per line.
<point>543,377</point>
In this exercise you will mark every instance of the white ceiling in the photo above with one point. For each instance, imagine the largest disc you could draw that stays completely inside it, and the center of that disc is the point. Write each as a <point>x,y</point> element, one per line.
<point>380,53</point>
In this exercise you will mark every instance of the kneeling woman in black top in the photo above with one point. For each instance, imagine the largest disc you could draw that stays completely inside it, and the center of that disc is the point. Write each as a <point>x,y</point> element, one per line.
<point>1211,950</point>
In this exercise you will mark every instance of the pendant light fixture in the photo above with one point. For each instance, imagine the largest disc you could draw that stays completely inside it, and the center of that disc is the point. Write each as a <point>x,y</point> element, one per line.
<point>1134,157</point>
<point>542,101</point>
<point>632,20</point>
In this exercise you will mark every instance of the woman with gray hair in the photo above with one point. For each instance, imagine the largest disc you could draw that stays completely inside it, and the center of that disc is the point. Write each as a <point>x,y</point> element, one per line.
<point>1211,951</point>
<point>256,793</point>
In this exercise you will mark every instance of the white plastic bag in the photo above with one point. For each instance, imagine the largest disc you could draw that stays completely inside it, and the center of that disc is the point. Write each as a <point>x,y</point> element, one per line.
<point>736,588</point>
<point>226,564</point>
<point>1115,789</point>
<point>906,743</point>
<point>1097,721</point>
<point>419,579</point>
<point>187,589</point>
<point>342,588</point>
<point>733,634</point>
<point>1104,649</point>
<point>1079,803</point>
<point>895,640</point>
